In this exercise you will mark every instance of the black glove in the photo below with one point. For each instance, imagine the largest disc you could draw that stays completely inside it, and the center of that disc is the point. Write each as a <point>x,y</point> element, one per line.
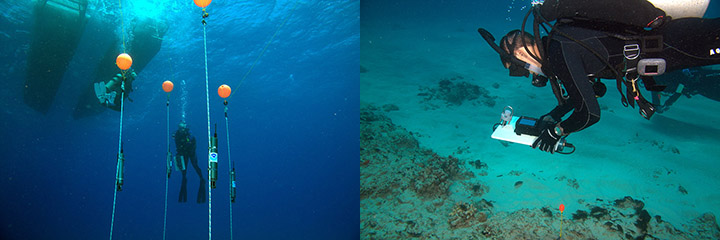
<point>547,140</point>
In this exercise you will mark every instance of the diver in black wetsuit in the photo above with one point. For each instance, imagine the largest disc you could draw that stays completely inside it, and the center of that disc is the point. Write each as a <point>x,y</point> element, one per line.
<point>578,53</point>
<point>109,93</point>
<point>687,82</point>
<point>185,145</point>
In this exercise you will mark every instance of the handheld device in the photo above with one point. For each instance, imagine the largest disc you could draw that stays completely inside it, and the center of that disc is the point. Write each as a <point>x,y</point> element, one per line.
<point>523,130</point>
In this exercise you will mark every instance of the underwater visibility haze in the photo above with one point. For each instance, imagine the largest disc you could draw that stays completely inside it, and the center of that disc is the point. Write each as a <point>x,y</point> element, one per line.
<point>292,118</point>
<point>431,91</point>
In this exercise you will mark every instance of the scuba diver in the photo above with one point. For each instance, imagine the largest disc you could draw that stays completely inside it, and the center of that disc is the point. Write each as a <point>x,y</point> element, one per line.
<point>592,40</point>
<point>109,93</point>
<point>185,145</point>
<point>687,82</point>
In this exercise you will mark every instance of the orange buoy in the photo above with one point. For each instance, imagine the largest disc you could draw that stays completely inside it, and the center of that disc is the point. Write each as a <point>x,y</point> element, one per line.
<point>224,91</point>
<point>562,207</point>
<point>124,61</point>
<point>167,86</point>
<point>202,3</point>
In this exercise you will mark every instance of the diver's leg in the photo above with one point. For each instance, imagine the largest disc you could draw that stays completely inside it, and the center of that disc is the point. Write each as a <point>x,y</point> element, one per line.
<point>183,186</point>
<point>194,161</point>
<point>201,189</point>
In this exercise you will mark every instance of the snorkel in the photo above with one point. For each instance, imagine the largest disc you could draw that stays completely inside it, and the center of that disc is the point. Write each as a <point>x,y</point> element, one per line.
<point>517,67</point>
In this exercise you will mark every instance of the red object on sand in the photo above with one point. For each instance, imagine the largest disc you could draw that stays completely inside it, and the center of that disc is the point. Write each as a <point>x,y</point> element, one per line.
<point>562,207</point>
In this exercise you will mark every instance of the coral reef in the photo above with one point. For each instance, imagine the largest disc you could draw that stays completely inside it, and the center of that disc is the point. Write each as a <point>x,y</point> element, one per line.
<point>405,193</point>
<point>382,144</point>
<point>464,215</point>
<point>456,93</point>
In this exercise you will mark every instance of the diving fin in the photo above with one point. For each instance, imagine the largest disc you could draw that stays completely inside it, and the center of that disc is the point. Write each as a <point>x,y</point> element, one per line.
<point>103,96</point>
<point>100,92</point>
<point>201,192</point>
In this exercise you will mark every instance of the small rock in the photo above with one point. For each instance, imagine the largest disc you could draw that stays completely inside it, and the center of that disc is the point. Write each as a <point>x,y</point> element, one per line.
<point>518,184</point>
<point>546,211</point>
<point>580,215</point>
<point>390,107</point>
<point>479,164</point>
<point>682,190</point>
<point>482,217</point>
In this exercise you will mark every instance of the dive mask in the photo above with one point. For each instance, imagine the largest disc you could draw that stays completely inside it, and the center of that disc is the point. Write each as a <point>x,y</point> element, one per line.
<point>516,67</point>
<point>517,70</point>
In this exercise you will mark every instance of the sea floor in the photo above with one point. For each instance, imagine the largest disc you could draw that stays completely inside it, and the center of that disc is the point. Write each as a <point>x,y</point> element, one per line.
<point>430,170</point>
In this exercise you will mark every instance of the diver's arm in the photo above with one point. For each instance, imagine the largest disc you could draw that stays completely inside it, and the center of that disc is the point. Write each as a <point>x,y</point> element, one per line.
<point>569,68</point>
<point>192,143</point>
<point>558,112</point>
<point>586,110</point>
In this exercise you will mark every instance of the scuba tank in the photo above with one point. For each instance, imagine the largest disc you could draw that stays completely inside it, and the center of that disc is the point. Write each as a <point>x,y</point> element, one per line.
<point>637,13</point>
<point>213,159</point>
<point>682,8</point>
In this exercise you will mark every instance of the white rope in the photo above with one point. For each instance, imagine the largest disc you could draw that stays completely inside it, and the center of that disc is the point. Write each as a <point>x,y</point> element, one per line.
<point>227,128</point>
<point>167,104</point>
<point>117,165</point>
<point>207,97</point>
<point>122,97</point>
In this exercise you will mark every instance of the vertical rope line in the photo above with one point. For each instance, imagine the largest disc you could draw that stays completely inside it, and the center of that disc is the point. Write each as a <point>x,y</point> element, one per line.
<point>122,96</point>
<point>167,157</point>
<point>227,128</point>
<point>117,165</point>
<point>165,218</point>
<point>207,97</point>
<point>112,222</point>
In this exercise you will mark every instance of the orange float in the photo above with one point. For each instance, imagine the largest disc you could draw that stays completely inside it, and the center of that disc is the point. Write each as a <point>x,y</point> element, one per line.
<point>224,91</point>
<point>202,3</point>
<point>124,61</point>
<point>167,86</point>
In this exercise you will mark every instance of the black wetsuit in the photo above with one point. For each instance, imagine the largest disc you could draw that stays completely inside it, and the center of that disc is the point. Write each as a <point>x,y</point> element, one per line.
<point>575,66</point>
<point>185,145</point>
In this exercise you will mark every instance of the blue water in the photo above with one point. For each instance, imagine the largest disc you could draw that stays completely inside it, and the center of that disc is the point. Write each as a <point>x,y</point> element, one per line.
<point>293,126</point>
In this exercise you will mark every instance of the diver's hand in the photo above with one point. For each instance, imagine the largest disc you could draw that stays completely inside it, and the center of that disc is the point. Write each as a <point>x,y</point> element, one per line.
<point>546,141</point>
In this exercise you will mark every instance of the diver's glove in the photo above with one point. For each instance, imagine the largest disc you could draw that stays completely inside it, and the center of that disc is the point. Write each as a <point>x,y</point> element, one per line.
<point>547,140</point>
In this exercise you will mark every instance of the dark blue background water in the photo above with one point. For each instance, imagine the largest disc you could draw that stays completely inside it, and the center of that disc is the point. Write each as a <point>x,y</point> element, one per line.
<point>293,127</point>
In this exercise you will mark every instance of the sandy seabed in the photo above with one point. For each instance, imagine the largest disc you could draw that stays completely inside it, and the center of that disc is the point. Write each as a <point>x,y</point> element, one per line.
<point>430,170</point>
